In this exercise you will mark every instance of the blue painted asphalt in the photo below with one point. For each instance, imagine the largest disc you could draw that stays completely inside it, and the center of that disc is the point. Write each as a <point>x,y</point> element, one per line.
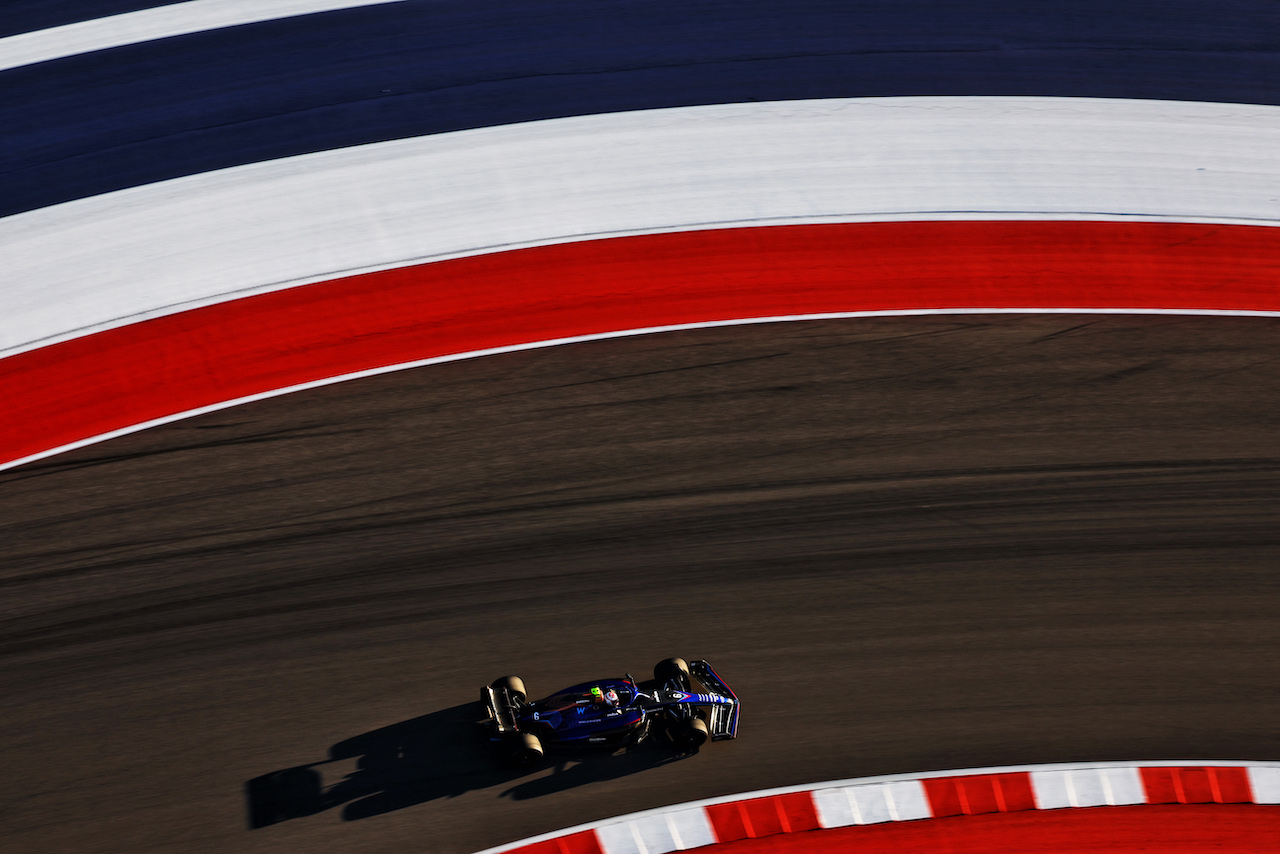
<point>90,124</point>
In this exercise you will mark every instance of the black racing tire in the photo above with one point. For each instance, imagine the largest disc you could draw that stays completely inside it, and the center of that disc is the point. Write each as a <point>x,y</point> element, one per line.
<point>514,686</point>
<point>672,668</point>
<point>693,734</point>
<point>527,750</point>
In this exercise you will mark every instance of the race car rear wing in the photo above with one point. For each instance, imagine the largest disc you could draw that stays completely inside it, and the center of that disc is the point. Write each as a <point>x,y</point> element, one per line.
<point>724,719</point>
<point>502,712</point>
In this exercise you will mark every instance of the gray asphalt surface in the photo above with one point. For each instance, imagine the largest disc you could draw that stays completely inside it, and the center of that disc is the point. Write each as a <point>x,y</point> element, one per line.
<point>908,543</point>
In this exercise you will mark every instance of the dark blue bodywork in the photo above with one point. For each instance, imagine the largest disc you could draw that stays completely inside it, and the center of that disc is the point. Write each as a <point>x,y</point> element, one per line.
<point>615,712</point>
<point>570,718</point>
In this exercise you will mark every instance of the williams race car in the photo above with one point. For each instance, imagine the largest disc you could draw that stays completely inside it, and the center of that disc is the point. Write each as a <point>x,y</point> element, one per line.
<point>612,713</point>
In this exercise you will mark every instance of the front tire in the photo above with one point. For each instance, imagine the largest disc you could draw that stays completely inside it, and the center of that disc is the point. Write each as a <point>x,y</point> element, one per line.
<point>672,668</point>
<point>693,735</point>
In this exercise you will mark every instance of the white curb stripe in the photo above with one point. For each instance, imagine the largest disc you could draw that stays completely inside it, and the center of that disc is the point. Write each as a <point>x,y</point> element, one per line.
<point>149,251</point>
<point>177,19</point>
<point>871,804</point>
<point>1087,787</point>
<point>660,833</point>
<point>1265,782</point>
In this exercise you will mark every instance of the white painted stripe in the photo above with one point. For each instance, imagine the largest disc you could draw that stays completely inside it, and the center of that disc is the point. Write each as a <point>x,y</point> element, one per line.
<point>837,807</point>
<point>1252,766</point>
<point>694,828</point>
<point>872,803</point>
<point>176,19</point>
<point>623,333</point>
<point>149,251</point>
<point>657,833</point>
<point>1265,782</point>
<point>1087,787</point>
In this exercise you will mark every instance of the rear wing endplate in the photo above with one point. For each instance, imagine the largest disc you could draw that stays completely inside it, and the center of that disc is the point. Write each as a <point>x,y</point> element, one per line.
<point>502,713</point>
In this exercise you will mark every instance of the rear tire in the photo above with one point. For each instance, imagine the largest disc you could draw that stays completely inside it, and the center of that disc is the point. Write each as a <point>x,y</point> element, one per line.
<point>672,668</point>
<point>514,686</point>
<point>528,751</point>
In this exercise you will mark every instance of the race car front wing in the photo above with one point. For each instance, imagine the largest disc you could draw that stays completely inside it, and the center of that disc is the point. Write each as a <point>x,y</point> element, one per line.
<point>723,723</point>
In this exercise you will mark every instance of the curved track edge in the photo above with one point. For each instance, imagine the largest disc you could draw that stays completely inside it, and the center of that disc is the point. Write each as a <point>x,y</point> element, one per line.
<point>911,798</point>
<point>121,380</point>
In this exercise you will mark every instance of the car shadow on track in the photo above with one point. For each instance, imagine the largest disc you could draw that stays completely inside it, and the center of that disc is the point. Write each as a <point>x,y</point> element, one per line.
<point>586,768</point>
<point>440,755</point>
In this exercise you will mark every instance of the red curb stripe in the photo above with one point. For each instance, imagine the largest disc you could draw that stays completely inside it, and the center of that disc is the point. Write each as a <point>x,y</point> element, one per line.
<point>799,811</point>
<point>981,793</point>
<point>115,379</point>
<point>1195,785</point>
<point>758,817</point>
<point>584,842</point>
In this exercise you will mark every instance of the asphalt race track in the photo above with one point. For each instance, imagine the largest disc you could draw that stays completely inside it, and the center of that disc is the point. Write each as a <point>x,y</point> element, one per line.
<point>908,543</point>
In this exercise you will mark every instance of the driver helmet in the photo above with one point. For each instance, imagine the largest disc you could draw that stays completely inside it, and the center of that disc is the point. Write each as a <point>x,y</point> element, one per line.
<point>604,698</point>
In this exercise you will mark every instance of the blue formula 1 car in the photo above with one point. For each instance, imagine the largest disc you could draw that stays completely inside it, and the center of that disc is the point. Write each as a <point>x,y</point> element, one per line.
<point>612,713</point>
